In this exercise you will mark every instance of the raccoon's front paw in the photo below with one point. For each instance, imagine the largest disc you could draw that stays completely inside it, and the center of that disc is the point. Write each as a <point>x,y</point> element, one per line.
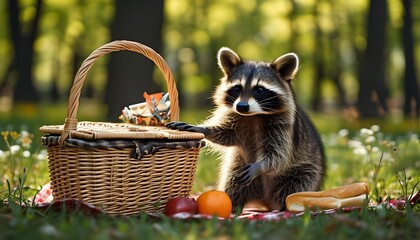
<point>187,127</point>
<point>247,174</point>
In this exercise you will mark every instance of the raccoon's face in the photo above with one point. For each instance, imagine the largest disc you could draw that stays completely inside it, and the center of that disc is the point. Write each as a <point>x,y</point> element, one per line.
<point>251,88</point>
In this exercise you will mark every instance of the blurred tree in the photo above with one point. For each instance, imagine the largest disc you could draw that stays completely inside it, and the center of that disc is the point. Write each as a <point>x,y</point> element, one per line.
<point>373,91</point>
<point>23,38</point>
<point>335,70</point>
<point>411,88</point>
<point>293,40</point>
<point>319,61</point>
<point>330,36</point>
<point>129,73</point>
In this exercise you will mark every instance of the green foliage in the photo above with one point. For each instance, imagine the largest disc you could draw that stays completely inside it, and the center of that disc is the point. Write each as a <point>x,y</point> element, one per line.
<point>371,156</point>
<point>16,162</point>
<point>193,32</point>
<point>379,224</point>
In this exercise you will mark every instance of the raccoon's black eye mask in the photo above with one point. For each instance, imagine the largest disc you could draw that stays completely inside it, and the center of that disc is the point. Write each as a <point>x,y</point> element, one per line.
<point>259,90</point>
<point>235,91</point>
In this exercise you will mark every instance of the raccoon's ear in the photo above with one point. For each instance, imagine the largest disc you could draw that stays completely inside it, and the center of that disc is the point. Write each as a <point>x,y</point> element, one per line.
<point>227,60</point>
<point>286,65</point>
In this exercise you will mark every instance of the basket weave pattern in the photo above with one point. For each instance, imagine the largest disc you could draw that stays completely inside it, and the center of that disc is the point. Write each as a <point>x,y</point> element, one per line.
<point>121,185</point>
<point>99,171</point>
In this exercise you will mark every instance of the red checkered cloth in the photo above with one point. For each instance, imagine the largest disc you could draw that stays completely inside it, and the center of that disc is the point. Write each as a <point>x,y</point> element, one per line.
<point>44,195</point>
<point>44,199</point>
<point>264,216</point>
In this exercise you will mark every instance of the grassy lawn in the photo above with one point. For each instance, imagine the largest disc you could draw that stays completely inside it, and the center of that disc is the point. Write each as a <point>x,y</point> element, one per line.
<point>385,154</point>
<point>368,224</point>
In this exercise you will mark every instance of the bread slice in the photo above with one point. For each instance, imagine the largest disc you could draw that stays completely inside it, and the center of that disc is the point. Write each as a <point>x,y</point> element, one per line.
<point>353,195</point>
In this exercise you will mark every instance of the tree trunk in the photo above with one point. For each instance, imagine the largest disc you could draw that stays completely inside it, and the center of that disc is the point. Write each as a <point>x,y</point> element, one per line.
<point>319,68</point>
<point>373,91</point>
<point>411,88</point>
<point>24,90</point>
<point>131,74</point>
<point>335,69</point>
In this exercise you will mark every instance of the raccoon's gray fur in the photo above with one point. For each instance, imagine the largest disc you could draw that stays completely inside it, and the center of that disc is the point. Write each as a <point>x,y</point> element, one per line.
<point>269,146</point>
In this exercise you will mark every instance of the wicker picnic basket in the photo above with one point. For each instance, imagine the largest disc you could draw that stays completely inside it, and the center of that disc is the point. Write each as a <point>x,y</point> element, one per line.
<point>122,168</point>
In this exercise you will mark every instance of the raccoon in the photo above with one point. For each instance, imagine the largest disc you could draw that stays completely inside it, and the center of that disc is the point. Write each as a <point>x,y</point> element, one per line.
<point>269,147</point>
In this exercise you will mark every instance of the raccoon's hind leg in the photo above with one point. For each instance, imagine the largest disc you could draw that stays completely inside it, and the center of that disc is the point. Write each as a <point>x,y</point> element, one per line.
<point>297,179</point>
<point>239,194</point>
<point>187,127</point>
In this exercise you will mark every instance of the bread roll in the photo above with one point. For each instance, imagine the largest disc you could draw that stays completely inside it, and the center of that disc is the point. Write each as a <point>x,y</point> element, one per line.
<point>353,195</point>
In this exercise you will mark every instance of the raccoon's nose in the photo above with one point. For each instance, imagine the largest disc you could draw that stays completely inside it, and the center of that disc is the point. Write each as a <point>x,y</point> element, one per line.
<point>242,107</point>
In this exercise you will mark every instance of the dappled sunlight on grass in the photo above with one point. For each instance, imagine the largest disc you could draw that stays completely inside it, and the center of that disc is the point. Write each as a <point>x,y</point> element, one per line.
<point>371,156</point>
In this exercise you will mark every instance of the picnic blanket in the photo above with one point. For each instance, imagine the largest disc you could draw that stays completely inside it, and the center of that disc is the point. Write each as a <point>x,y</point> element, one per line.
<point>44,200</point>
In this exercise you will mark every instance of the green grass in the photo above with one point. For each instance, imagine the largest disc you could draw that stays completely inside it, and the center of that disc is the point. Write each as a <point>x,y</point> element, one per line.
<point>380,224</point>
<point>387,158</point>
<point>367,224</point>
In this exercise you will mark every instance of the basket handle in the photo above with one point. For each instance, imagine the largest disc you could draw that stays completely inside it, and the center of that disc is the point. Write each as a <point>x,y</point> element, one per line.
<point>73,104</point>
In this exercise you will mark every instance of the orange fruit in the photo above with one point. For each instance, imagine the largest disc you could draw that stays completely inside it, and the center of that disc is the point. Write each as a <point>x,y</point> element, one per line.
<point>214,202</point>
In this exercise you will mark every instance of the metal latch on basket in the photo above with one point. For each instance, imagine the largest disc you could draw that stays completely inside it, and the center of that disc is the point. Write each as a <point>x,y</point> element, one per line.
<point>143,148</point>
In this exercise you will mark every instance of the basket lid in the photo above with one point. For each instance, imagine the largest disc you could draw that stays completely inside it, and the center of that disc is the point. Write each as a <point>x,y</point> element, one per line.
<point>105,130</point>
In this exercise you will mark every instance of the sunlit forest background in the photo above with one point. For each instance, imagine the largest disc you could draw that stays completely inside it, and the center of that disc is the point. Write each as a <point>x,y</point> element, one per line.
<point>359,58</point>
